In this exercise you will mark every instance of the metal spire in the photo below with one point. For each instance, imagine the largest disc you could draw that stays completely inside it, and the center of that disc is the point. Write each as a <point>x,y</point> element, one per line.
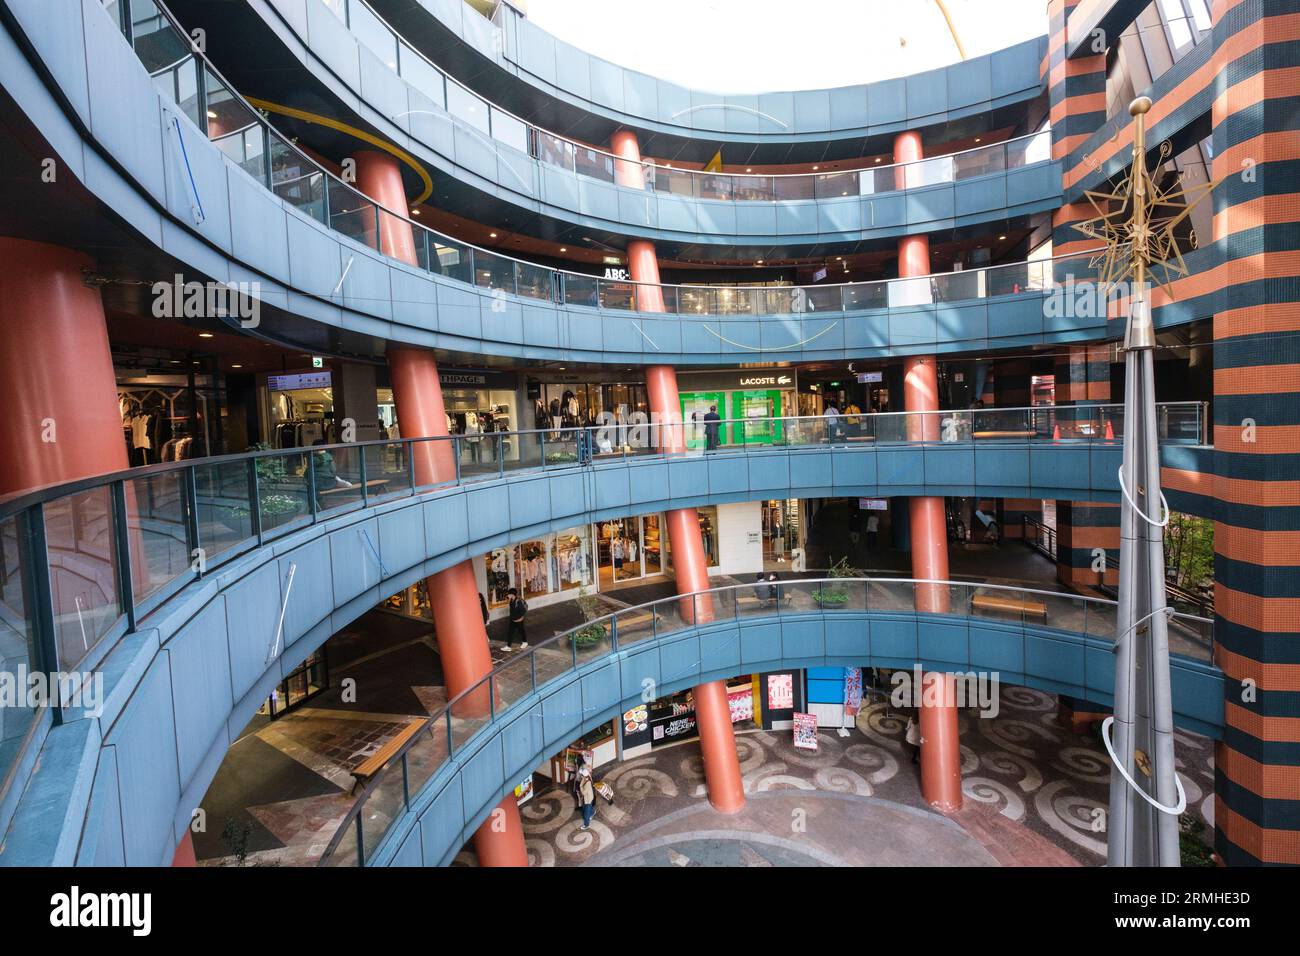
<point>1145,794</point>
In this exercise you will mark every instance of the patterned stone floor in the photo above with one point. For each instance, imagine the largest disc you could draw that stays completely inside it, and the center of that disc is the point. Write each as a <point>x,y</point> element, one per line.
<point>1033,794</point>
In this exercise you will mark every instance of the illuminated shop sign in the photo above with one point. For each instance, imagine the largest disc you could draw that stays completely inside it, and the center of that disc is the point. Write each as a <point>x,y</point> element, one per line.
<point>738,379</point>
<point>285,383</point>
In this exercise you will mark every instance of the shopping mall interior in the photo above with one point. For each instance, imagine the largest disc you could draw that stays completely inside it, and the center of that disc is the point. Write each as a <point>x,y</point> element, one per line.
<point>431,443</point>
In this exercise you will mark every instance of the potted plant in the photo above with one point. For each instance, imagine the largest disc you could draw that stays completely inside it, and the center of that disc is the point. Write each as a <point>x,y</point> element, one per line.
<point>593,632</point>
<point>832,595</point>
<point>561,457</point>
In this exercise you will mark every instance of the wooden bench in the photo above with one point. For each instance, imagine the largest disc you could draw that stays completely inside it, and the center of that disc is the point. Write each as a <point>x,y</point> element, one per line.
<point>377,761</point>
<point>1004,604</point>
<point>372,485</point>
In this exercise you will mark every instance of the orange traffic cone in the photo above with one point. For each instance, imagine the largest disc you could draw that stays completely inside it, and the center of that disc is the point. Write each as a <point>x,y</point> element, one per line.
<point>1110,431</point>
<point>1056,432</point>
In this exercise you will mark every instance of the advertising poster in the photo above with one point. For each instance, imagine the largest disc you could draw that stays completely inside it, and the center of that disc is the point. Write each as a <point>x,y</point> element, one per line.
<point>636,726</point>
<point>852,691</point>
<point>741,704</point>
<point>805,731</point>
<point>780,691</point>
<point>524,790</point>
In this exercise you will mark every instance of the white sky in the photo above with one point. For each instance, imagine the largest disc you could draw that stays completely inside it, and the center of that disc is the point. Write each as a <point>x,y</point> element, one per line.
<point>755,46</point>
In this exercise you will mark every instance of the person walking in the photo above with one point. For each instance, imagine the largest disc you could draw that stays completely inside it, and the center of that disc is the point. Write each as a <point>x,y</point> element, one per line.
<point>585,790</point>
<point>832,416</point>
<point>873,531</point>
<point>913,737</point>
<point>855,529</point>
<point>518,611</point>
<point>712,429</point>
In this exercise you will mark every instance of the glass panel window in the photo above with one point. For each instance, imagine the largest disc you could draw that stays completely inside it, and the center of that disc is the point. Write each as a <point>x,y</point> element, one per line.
<point>371,31</point>
<point>506,129</point>
<point>464,105</point>
<point>425,77</point>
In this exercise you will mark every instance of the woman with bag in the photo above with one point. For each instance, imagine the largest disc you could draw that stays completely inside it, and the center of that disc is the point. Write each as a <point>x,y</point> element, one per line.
<point>586,792</point>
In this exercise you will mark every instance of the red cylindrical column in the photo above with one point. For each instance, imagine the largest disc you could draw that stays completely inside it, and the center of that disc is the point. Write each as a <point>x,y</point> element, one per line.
<point>642,263</point>
<point>499,841</point>
<point>380,177</point>
<point>57,384</point>
<point>184,855</point>
<point>712,715</point>
<point>453,593</point>
<point>940,745</point>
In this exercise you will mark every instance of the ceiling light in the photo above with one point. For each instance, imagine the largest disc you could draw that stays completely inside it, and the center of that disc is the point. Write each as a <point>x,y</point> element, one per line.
<point>759,262</point>
<point>415,212</point>
<point>977,139</point>
<point>492,235</point>
<point>1001,237</point>
<point>815,168</point>
<point>205,335</point>
<point>236,366</point>
<point>564,248</point>
<point>877,159</point>
<point>749,169</point>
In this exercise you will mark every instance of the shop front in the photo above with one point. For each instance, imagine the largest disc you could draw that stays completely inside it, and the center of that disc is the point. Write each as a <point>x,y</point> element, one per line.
<point>571,400</point>
<point>478,403</point>
<point>748,398</point>
<point>302,684</point>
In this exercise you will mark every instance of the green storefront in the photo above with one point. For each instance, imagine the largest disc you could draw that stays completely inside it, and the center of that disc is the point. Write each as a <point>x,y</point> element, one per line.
<point>749,398</point>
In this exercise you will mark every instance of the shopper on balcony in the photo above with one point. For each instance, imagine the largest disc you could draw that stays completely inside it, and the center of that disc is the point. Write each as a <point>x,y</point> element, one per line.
<point>712,429</point>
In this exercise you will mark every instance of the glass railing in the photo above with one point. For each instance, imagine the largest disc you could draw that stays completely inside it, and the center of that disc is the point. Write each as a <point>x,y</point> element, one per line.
<point>554,150</point>
<point>82,563</point>
<point>449,731</point>
<point>239,131</point>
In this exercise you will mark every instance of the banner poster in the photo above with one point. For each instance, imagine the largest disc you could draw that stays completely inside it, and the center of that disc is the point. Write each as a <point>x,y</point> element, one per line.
<point>524,790</point>
<point>852,691</point>
<point>805,731</point>
<point>780,691</point>
<point>741,704</point>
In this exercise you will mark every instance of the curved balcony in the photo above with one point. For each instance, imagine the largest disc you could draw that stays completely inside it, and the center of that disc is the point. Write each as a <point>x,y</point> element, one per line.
<point>427,802</point>
<point>452,130</point>
<point>192,588</point>
<point>513,59</point>
<point>250,206</point>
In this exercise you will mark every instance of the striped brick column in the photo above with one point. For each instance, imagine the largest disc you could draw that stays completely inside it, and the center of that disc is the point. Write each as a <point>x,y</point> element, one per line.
<point>1257,429</point>
<point>1082,378</point>
<point>1076,94</point>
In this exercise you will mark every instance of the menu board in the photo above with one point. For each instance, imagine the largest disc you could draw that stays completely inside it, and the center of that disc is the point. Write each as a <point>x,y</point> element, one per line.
<point>636,726</point>
<point>805,731</point>
<point>780,691</point>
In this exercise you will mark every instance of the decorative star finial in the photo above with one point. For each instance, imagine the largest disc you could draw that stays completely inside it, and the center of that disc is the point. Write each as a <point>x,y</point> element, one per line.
<point>1145,240</point>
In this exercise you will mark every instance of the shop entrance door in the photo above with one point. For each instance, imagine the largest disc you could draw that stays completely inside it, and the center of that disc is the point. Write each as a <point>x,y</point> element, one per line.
<point>695,405</point>
<point>756,411</point>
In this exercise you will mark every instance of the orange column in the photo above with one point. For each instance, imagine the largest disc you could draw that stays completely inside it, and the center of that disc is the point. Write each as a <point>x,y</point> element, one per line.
<point>380,177</point>
<point>57,384</point>
<point>184,855</point>
<point>712,715</point>
<point>642,263</point>
<point>940,746</point>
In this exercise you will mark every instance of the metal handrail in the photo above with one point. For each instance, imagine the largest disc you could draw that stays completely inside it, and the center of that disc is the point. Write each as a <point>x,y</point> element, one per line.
<point>14,502</point>
<point>487,682</point>
<point>556,289</point>
<point>404,44</point>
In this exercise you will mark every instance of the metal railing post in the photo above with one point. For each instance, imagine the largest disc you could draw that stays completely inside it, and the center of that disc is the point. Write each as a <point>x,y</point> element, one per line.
<point>254,501</point>
<point>122,544</point>
<point>408,448</point>
<point>311,485</point>
<point>365,496</point>
<point>39,595</point>
<point>189,486</point>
